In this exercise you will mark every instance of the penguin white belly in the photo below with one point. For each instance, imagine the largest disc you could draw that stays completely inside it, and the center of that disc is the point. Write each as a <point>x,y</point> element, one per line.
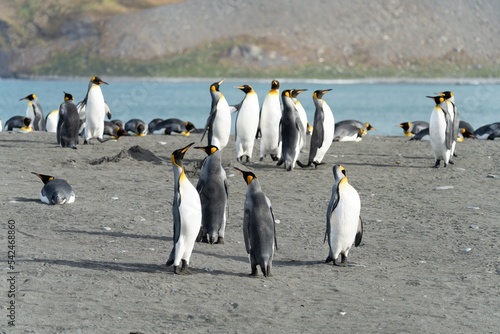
<point>222,124</point>
<point>247,125</point>
<point>52,119</point>
<point>95,112</point>
<point>353,137</point>
<point>345,220</point>
<point>328,133</point>
<point>302,114</point>
<point>437,135</point>
<point>269,126</point>
<point>190,213</point>
<point>31,114</point>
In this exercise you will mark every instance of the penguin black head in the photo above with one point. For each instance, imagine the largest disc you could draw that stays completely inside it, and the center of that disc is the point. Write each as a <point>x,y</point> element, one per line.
<point>275,84</point>
<point>247,176</point>
<point>45,178</point>
<point>26,121</point>
<point>245,88</point>
<point>30,97</point>
<point>68,96</point>
<point>437,99</point>
<point>96,80</point>
<point>209,150</point>
<point>296,92</point>
<point>318,94</point>
<point>405,126</point>
<point>447,94</point>
<point>215,86</point>
<point>178,155</point>
<point>189,126</point>
<point>466,133</point>
<point>287,93</point>
<point>369,127</point>
<point>141,128</point>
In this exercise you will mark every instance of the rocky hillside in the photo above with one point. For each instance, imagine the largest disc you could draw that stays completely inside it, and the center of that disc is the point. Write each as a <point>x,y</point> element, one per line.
<point>317,38</point>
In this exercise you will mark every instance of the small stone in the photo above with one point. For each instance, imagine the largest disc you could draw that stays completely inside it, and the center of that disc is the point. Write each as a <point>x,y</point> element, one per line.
<point>444,188</point>
<point>473,207</point>
<point>467,250</point>
<point>342,312</point>
<point>162,142</point>
<point>492,176</point>
<point>474,227</point>
<point>114,197</point>
<point>106,228</point>
<point>277,221</point>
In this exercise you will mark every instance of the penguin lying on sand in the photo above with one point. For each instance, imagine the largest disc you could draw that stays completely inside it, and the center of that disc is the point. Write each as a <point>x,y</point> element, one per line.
<point>55,191</point>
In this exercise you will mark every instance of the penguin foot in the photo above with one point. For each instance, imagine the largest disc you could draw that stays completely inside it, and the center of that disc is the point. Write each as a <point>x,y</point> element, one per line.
<point>254,273</point>
<point>280,162</point>
<point>103,140</point>
<point>185,268</point>
<point>329,259</point>
<point>220,241</point>
<point>261,159</point>
<point>438,162</point>
<point>177,270</point>
<point>303,165</point>
<point>169,262</point>
<point>86,142</point>
<point>451,162</point>
<point>316,164</point>
<point>275,158</point>
<point>455,155</point>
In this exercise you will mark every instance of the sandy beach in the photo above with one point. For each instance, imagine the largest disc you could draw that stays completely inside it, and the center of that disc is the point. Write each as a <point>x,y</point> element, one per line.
<point>429,261</point>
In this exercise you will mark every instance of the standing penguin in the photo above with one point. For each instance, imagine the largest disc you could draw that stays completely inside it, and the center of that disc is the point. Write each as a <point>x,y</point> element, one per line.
<point>136,127</point>
<point>51,121</point>
<point>94,109</point>
<point>323,130</point>
<point>219,121</point>
<point>440,131</point>
<point>212,187</point>
<point>68,125</point>
<point>247,123</point>
<point>292,132</point>
<point>302,115</point>
<point>269,124</point>
<point>343,221</point>
<point>259,226</point>
<point>453,111</point>
<point>186,208</point>
<point>35,112</point>
<point>55,191</point>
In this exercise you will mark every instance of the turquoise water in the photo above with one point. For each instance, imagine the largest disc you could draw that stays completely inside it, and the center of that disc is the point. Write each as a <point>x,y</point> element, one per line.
<point>382,104</point>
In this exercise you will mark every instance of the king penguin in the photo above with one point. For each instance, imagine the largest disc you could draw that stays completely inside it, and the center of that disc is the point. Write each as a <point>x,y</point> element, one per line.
<point>412,128</point>
<point>55,191</point>
<point>292,132</point>
<point>219,121</point>
<point>348,132</point>
<point>51,121</point>
<point>18,124</point>
<point>170,126</point>
<point>259,226</point>
<point>186,209</point>
<point>323,130</point>
<point>212,187</point>
<point>68,124</point>
<point>365,127</point>
<point>35,112</point>
<point>247,123</point>
<point>136,127</point>
<point>453,111</point>
<point>343,221</point>
<point>440,131</point>
<point>302,115</point>
<point>94,110</point>
<point>269,124</point>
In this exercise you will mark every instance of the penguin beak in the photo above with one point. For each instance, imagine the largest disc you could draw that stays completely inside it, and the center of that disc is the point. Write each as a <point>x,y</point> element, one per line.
<point>220,82</point>
<point>102,82</point>
<point>184,149</point>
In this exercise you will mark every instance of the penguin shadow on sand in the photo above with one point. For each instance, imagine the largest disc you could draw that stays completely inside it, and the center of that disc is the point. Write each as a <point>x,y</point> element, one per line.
<point>27,200</point>
<point>106,266</point>
<point>118,235</point>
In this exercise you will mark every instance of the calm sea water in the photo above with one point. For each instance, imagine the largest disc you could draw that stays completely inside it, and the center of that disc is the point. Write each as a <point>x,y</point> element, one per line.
<point>382,104</point>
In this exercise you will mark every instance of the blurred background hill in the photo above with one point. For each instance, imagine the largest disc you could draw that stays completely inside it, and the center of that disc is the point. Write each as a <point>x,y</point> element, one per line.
<point>258,38</point>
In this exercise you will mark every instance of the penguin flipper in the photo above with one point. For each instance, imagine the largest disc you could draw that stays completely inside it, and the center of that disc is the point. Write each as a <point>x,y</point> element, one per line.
<point>177,217</point>
<point>449,130</point>
<point>359,233</point>
<point>274,222</point>
<point>246,232</point>
<point>334,201</point>
<point>107,109</point>
<point>210,121</point>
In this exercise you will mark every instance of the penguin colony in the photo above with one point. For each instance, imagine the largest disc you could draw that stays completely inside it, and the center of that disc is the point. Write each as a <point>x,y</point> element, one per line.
<point>200,212</point>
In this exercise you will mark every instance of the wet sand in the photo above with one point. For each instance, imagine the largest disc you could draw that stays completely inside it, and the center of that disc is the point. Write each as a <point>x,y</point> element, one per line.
<point>429,261</point>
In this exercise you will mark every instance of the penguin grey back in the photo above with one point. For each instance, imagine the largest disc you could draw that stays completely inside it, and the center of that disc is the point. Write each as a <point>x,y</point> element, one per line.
<point>68,125</point>
<point>291,129</point>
